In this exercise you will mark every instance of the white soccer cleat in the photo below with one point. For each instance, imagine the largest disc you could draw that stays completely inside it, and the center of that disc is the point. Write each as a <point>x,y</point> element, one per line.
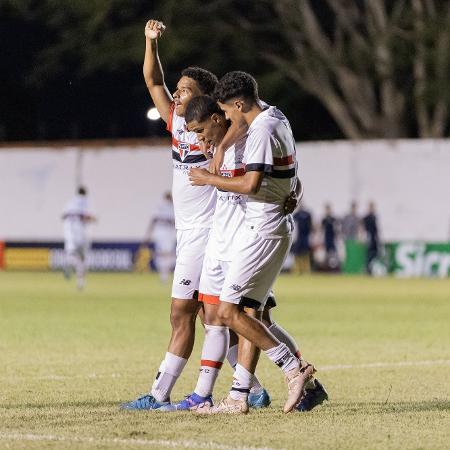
<point>296,380</point>
<point>225,406</point>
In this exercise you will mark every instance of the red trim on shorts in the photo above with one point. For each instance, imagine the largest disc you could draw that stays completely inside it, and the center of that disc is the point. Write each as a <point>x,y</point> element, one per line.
<point>283,161</point>
<point>210,299</point>
<point>209,363</point>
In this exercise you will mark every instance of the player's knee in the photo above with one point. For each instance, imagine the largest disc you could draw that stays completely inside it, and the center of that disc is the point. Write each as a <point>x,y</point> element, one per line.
<point>226,313</point>
<point>181,318</point>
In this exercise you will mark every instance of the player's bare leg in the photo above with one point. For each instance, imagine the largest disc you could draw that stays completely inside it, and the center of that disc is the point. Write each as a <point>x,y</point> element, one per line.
<point>214,351</point>
<point>235,318</point>
<point>80,269</point>
<point>243,378</point>
<point>182,318</point>
<point>183,314</point>
<point>315,393</point>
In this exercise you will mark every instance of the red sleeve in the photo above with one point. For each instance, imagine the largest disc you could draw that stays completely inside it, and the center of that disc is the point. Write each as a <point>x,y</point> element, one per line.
<point>169,122</point>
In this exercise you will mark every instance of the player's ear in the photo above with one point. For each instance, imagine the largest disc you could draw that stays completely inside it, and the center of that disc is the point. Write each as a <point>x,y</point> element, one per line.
<point>216,118</point>
<point>239,105</point>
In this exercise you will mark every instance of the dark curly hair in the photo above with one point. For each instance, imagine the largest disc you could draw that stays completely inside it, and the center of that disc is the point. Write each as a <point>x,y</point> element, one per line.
<point>200,108</point>
<point>236,84</point>
<point>205,79</point>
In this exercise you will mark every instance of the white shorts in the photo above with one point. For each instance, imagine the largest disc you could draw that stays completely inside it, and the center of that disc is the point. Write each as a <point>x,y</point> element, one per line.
<point>191,245</point>
<point>257,263</point>
<point>212,279</point>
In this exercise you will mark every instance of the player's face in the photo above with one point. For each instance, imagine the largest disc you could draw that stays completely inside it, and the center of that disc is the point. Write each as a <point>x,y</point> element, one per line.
<point>210,131</point>
<point>233,110</point>
<point>187,89</point>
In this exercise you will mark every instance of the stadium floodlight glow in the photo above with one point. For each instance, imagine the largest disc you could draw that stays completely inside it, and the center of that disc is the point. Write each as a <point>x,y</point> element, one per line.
<point>153,114</point>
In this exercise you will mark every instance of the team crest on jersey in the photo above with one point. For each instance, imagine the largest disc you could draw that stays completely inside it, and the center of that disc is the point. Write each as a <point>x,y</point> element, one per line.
<point>183,149</point>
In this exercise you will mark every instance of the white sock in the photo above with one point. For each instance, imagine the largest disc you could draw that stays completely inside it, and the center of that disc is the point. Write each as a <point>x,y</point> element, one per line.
<point>215,348</point>
<point>242,380</point>
<point>283,336</point>
<point>282,357</point>
<point>169,371</point>
<point>232,355</point>
<point>256,387</point>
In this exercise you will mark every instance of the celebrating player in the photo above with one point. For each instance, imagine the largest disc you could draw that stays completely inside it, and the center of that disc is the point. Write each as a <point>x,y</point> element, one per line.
<point>193,206</point>
<point>261,247</point>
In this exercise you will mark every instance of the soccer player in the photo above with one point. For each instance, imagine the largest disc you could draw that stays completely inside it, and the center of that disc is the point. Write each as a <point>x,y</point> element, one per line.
<point>161,230</point>
<point>76,216</point>
<point>193,206</point>
<point>204,116</point>
<point>262,244</point>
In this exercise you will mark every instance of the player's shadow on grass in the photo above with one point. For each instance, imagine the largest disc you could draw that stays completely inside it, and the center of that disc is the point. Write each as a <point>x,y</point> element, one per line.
<point>392,407</point>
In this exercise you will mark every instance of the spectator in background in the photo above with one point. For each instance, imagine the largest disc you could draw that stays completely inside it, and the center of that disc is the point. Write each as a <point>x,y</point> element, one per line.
<point>372,239</point>
<point>350,224</point>
<point>76,216</point>
<point>161,231</point>
<point>301,248</point>
<point>329,228</point>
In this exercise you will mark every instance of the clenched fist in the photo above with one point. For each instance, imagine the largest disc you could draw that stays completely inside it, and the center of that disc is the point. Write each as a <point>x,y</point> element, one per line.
<point>154,29</point>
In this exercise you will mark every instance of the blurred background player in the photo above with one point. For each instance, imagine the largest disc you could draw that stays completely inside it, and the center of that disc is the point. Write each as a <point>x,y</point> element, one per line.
<point>76,216</point>
<point>301,248</point>
<point>350,224</point>
<point>330,231</point>
<point>161,232</point>
<point>370,224</point>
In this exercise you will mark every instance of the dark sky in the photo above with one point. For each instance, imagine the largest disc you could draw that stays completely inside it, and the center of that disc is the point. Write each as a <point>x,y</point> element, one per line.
<point>51,87</point>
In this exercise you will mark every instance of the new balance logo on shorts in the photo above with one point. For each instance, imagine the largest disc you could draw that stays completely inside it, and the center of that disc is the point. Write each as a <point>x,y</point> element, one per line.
<point>235,287</point>
<point>185,282</point>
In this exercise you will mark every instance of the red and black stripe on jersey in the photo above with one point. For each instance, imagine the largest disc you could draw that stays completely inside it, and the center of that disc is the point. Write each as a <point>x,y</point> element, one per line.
<point>284,167</point>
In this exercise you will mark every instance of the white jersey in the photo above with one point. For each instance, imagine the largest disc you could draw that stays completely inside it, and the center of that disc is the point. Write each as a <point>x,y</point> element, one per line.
<point>193,205</point>
<point>270,148</point>
<point>230,207</point>
<point>75,216</point>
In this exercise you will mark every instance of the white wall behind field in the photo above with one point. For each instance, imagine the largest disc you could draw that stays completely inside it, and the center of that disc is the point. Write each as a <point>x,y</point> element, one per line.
<point>409,180</point>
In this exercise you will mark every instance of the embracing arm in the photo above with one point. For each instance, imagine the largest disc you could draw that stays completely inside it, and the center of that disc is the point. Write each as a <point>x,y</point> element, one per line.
<point>249,183</point>
<point>235,132</point>
<point>152,69</point>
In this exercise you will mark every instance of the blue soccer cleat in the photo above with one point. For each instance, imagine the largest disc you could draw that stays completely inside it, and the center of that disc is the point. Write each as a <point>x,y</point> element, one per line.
<point>146,402</point>
<point>312,398</point>
<point>260,400</point>
<point>189,402</point>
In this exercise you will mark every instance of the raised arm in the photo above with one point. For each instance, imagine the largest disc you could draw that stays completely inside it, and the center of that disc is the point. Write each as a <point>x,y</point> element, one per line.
<point>153,73</point>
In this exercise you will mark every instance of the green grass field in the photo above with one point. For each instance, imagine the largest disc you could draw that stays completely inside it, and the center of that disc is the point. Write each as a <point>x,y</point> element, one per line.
<point>68,359</point>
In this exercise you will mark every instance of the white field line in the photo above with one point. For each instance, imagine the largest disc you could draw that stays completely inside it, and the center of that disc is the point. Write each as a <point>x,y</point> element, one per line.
<point>118,441</point>
<point>375,365</point>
